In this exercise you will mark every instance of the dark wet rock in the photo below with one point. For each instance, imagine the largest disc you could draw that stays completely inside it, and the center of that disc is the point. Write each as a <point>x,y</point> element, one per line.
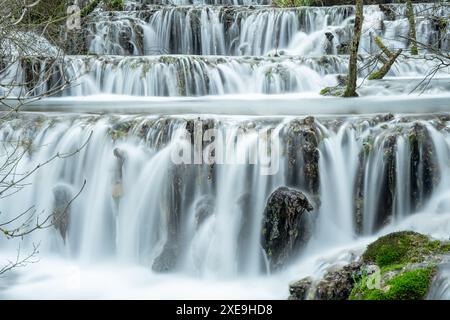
<point>359,191</point>
<point>386,196</point>
<point>62,195</point>
<point>286,226</point>
<point>117,187</point>
<point>171,204</point>
<point>343,48</point>
<point>329,36</point>
<point>425,174</point>
<point>196,129</point>
<point>166,261</point>
<point>328,45</point>
<point>303,154</point>
<point>120,129</point>
<point>204,208</point>
<point>397,266</point>
<point>337,285</point>
<point>384,118</point>
<point>311,160</point>
<point>299,289</point>
<point>389,12</point>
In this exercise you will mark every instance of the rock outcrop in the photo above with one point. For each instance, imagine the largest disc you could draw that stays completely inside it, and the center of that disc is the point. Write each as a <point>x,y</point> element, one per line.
<point>62,195</point>
<point>286,226</point>
<point>397,266</point>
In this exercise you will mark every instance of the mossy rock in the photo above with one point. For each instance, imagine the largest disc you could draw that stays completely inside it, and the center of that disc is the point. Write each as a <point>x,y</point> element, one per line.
<point>337,91</point>
<point>400,248</point>
<point>293,3</point>
<point>409,285</point>
<point>115,5</point>
<point>408,263</point>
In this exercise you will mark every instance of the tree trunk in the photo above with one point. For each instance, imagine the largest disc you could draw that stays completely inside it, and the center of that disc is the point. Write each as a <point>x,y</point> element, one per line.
<point>352,64</point>
<point>386,67</point>
<point>412,27</point>
<point>387,62</point>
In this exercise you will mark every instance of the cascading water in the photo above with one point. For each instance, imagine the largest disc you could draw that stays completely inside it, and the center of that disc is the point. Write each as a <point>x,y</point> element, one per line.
<point>212,213</point>
<point>216,30</point>
<point>200,76</point>
<point>137,213</point>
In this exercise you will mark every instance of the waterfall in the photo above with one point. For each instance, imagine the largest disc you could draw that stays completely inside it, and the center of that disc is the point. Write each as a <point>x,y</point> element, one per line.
<point>211,213</point>
<point>167,199</point>
<point>260,30</point>
<point>199,76</point>
<point>441,288</point>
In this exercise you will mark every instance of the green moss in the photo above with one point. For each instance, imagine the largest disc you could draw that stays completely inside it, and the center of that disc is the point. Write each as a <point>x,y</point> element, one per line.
<point>368,145</point>
<point>332,91</point>
<point>89,8</point>
<point>399,248</point>
<point>392,267</point>
<point>292,3</point>
<point>401,278</point>
<point>269,74</point>
<point>444,247</point>
<point>325,91</point>
<point>433,245</point>
<point>375,76</point>
<point>409,285</point>
<point>114,5</point>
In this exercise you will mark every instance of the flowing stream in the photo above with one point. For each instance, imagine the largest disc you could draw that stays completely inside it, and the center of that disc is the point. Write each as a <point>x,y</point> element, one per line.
<point>135,207</point>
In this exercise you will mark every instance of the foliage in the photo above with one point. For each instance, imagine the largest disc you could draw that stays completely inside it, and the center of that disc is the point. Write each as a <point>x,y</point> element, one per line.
<point>292,3</point>
<point>408,264</point>
<point>46,10</point>
<point>336,91</point>
<point>409,285</point>
<point>89,8</point>
<point>399,248</point>
<point>114,5</point>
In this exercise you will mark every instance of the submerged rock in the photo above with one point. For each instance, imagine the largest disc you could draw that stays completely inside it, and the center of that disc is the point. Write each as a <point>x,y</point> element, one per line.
<point>425,174</point>
<point>203,209</point>
<point>286,228</point>
<point>299,289</point>
<point>302,148</point>
<point>167,259</point>
<point>328,43</point>
<point>337,285</point>
<point>117,187</point>
<point>407,262</point>
<point>62,195</point>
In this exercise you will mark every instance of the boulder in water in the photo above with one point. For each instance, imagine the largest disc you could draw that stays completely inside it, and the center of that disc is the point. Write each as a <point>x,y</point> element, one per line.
<point>337,285</point>
<point>398,266</point>
<point>62,195</point>
<point>204,207</point>
<point>167,259</point>
<point>299,289</point>
<point>286,228</point>
<point>328,43</point>
<point>343,48</point>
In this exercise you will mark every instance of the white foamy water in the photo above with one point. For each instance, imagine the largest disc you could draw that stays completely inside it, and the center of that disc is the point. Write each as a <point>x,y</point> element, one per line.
<point>113,242</point>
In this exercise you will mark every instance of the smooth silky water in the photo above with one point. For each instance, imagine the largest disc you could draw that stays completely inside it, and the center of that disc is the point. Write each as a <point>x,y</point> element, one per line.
<point>112,244</point>
<point>140,88</point>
